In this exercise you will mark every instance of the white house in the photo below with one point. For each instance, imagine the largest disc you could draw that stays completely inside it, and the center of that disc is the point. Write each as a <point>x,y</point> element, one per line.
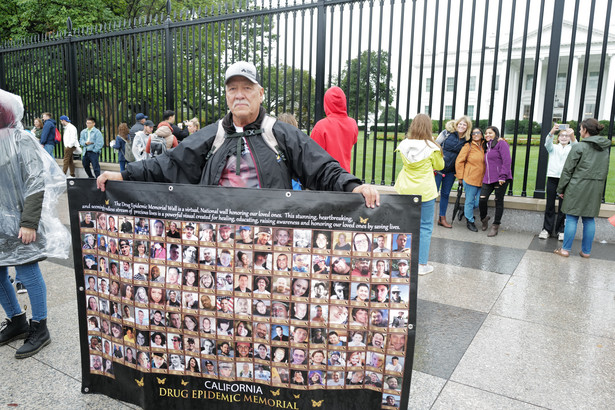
<point>527,78</point>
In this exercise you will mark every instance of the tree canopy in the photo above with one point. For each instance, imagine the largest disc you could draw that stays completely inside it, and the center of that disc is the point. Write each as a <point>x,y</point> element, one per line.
<point>22,18</point>
<point>373,87</point>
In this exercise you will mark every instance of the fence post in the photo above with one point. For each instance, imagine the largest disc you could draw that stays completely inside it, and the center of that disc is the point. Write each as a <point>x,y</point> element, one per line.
<point>169,60</point>
<point>321,45</point>
<point>547,112</point>
<point>2,85</point>
<point>71,63</point>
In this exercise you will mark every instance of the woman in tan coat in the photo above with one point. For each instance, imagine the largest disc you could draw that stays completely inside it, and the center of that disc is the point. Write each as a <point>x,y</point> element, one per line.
<point>470,168</point>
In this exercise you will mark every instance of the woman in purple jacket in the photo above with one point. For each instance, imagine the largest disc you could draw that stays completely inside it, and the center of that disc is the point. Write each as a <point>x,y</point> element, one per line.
<point>497,177</point>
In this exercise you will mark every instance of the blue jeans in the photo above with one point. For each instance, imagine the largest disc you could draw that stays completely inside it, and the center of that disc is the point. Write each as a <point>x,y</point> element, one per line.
<point>122,165</point>
<point>570,230</point>
<point>30,276</point>
<point>447,182</point>
<point>49,148</point>
<point>91,157</point>
<point>427,210</point>
<point>472,197</point>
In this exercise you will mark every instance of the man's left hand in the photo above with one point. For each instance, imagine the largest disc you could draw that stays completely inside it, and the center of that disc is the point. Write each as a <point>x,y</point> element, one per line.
<point>372,196</point>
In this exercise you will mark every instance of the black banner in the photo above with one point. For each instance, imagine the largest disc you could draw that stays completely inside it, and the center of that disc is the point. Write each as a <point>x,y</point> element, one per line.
<point>196,296</point>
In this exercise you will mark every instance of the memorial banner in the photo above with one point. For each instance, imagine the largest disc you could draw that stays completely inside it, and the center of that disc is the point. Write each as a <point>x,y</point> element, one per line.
<point>193,297</point>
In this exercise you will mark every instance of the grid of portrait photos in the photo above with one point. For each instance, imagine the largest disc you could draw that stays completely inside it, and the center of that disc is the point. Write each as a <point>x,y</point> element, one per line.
<point>297,308</point>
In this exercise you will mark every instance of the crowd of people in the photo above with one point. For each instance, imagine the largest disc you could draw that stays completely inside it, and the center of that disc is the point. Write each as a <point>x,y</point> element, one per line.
<point>278,155</point>
<point>481,163</point>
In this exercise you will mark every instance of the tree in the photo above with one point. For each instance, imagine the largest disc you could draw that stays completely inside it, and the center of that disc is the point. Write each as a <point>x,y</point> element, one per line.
<point>291,90</point>
<point>125,74</point>
<point>373,88</point>
<point>22,18</point>
<point>392,117</point>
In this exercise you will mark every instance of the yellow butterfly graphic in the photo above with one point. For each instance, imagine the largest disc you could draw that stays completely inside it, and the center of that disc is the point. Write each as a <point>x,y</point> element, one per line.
<point>297,396</point>
<point>161,381</point>
<point>106,202</point>
<point>275,392</point>
<point>184,383</point>
<point>363,220</point>
<point>140,382</point>
<point>317,403</point>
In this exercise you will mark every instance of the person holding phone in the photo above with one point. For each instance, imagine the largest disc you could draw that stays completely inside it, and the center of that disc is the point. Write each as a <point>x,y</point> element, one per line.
<point>558,153</point>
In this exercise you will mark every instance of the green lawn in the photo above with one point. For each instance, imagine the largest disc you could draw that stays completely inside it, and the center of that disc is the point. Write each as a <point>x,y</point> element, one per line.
<point>384,171</point>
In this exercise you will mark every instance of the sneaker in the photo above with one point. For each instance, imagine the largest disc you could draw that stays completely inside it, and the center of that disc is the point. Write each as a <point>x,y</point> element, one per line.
<point>21,289</point>
<point>543,234</point>
<point>13,329</point>
<point>560,236</point>
<point>425,269</point>
<point>38,337</point>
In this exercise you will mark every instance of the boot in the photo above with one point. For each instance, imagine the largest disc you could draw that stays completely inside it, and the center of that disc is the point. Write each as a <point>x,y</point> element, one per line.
<point>14,328</point>
<point>494,230</point>
<point>442,222</point>
<point>485,222</point>
<point>38,337</point>
<point>472,227</point>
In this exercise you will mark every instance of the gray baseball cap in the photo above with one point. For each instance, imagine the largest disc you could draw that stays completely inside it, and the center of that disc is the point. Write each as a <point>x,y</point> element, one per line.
<point>243,69</point>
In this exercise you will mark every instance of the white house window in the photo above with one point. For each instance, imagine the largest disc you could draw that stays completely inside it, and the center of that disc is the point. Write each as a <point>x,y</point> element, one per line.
<point>450,83</point>
<point>561,82</point>
<point>592,81</point>
<point>589,110</point>
<point>428,85</point>
<point>473,83</point>
<point>470,111</point>
<point>529,82</point>
<point>448,111</point>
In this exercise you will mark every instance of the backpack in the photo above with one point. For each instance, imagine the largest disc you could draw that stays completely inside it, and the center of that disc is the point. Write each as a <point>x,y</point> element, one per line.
<point>58,136</point>
<point>157,146</point>
<point>128,151</point>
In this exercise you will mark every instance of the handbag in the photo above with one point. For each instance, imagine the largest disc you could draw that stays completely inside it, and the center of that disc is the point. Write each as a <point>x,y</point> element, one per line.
<point>77,150</point>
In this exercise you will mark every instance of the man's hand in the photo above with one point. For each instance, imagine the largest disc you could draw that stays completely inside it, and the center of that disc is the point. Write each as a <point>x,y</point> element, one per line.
<point>372,196</point>
<point>27,235</point>
<point>107,176</point>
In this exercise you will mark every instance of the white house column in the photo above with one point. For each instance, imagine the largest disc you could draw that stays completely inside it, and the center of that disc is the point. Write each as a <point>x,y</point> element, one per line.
<point>572,102</point>
<point>538,107</point>
<point>610,89</point>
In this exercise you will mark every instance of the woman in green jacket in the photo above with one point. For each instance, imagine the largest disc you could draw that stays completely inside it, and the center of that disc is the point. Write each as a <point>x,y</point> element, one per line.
<point>421,156</point>
<point>581,185</point>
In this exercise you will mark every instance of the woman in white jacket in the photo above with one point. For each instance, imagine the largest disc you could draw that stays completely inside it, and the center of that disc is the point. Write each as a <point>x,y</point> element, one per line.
<point>557,157</point>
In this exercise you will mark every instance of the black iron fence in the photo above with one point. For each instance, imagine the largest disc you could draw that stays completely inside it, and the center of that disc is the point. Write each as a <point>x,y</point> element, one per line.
<point>515,64</point>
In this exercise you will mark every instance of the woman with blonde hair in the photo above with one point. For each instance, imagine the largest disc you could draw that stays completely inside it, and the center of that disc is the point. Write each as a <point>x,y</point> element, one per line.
<point>421,155</point>
<point>456,135</point>
<point>193,125</point>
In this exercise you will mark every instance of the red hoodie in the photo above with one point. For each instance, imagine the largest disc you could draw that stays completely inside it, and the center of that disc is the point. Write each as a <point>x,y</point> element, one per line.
<point>338,132</point>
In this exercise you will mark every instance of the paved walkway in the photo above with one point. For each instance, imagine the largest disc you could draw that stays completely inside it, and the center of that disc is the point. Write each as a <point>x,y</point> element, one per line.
<point>503,323</point>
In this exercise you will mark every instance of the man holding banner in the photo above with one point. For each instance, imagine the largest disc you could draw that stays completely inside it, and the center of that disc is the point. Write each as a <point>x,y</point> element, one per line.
<point>247,148</point>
